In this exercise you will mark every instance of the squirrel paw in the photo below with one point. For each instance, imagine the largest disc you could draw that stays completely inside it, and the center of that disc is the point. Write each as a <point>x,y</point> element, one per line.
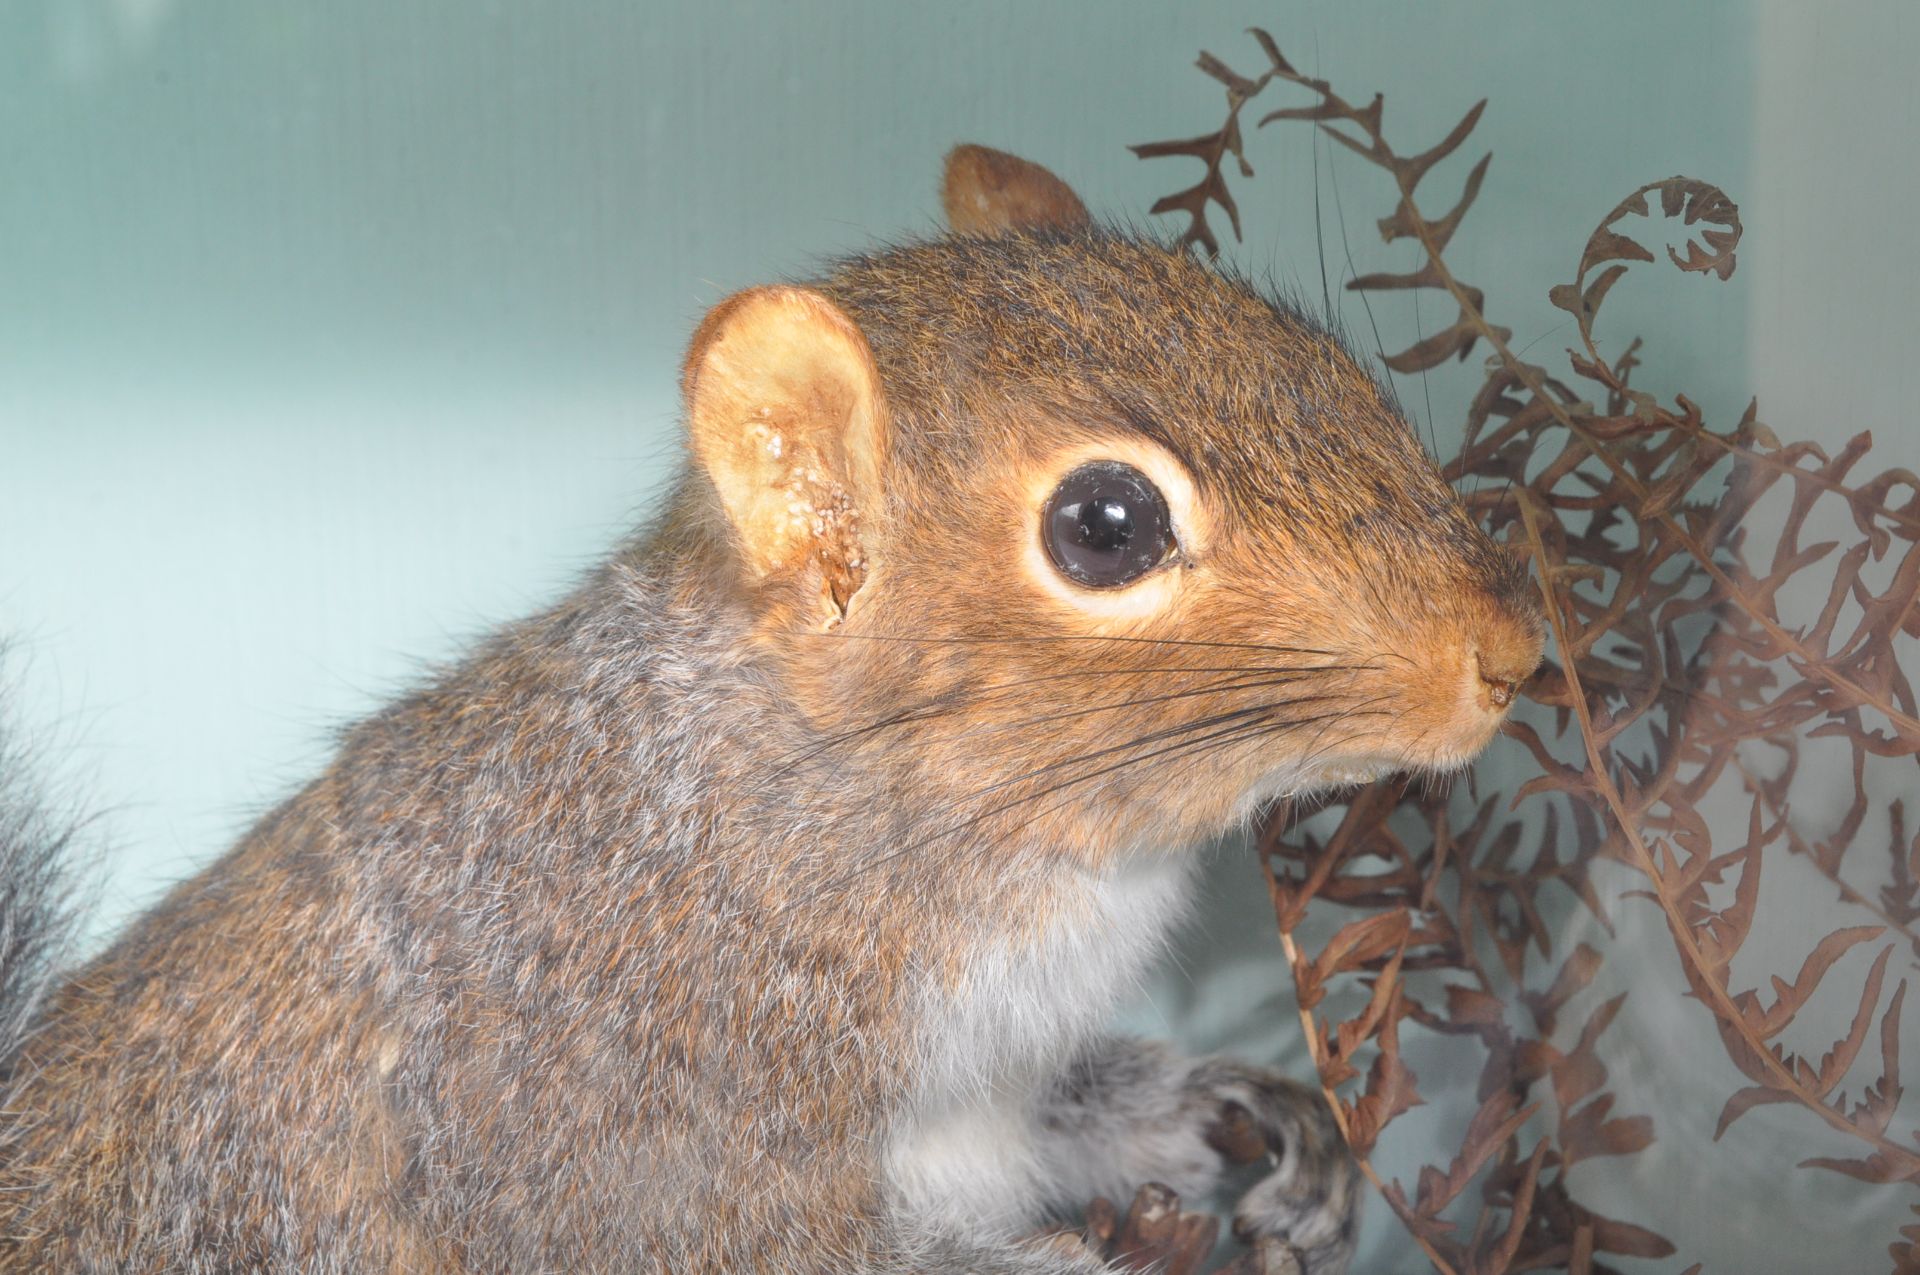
<point>1309,1196</point>
<point>1155,1233</point>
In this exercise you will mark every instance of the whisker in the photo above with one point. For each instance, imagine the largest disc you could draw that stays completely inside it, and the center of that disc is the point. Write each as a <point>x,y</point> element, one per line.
<point>1244,731</point>
<point>1321,748</point>
<point>936,708</point>
<point>838,635</point>
<point>1223,687</point>
<point>1150,738</point>
<point>984,815</point>
<point>1254,727</point>
<point>1220,738</point>
<point>1241,728</point>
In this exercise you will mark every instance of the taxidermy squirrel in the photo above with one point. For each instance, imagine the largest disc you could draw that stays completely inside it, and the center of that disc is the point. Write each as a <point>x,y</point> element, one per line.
<point>760,906</point>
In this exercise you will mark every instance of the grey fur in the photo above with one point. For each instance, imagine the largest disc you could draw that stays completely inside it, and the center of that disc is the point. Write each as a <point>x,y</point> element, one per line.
<point>38,887</point>
<point>441,865</point>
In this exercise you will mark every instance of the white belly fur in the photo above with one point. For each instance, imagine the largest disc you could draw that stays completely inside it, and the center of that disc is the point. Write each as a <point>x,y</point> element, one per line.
<point>960,1155</point>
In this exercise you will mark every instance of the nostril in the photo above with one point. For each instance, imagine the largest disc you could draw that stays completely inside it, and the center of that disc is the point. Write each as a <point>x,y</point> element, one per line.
<point>1501,678</point>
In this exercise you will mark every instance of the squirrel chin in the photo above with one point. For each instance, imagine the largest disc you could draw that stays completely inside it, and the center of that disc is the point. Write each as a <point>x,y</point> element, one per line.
<point>1349,776</point>
<point>1288,783</point>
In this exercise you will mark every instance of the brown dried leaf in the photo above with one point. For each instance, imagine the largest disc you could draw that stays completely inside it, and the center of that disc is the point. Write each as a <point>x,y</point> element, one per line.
<point>1390,1091</point>
<point>1745,1100</point>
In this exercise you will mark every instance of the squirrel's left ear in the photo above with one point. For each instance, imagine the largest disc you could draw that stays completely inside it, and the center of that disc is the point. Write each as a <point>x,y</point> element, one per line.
<point>788,420</point>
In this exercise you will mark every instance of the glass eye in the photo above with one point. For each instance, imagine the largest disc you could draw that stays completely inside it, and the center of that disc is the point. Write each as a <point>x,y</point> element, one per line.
<point>1106,525</point>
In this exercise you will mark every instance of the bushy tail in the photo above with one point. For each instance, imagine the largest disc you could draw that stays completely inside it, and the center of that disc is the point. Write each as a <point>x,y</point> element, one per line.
<point>38,903</point>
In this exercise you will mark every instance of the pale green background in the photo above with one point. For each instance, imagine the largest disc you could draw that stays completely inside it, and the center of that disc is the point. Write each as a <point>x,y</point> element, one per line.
<point>332,334</point>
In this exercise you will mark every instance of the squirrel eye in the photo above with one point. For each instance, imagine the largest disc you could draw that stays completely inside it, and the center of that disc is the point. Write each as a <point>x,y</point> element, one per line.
<point>1106,525</point>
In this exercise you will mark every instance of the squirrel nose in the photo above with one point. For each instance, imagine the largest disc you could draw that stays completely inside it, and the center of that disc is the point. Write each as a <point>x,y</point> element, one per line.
<point>1502,672</point>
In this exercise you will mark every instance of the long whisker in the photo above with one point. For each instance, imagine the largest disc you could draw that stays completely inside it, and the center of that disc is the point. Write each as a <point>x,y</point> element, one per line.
<point>1240,729</point>
<point>1217,687</point>
<point>1256,712</point>
<point>1151,737</point>
<point>1222,687</point>
<point>1320,748</point>
<point>841,636</point>
<point>1255,726</point>
<point>964,824</point>
<point>1257,723</point>
<point>1246,730</point>
<point>936,708</point>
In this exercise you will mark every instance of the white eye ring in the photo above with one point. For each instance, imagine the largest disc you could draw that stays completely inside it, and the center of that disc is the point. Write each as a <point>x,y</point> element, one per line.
<point>1148,593</point>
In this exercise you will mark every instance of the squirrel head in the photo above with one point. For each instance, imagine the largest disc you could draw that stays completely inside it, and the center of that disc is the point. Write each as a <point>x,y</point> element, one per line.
<point>1074,532</point>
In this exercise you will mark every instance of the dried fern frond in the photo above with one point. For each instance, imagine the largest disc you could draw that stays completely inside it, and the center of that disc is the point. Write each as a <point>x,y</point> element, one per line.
<point>1679,681</point>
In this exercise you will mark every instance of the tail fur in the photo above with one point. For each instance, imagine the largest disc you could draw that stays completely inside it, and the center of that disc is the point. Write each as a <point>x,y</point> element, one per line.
<point>38,904</point>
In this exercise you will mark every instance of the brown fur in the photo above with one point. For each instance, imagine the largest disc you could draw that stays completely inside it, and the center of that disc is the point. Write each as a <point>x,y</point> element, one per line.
<point>989,192</point>
<point>610,948</point>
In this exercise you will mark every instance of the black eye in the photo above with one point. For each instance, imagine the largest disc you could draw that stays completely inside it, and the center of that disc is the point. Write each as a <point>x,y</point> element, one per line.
<point>1105,525</point>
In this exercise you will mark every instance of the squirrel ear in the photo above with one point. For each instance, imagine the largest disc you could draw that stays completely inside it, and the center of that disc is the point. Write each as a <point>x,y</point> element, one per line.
<point>989,192</point>
<point>787,419</point>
